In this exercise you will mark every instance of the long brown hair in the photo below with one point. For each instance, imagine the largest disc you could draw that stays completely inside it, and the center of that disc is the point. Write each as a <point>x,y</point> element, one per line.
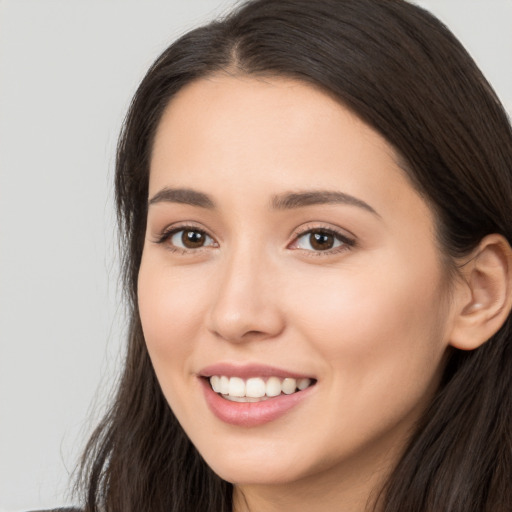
<point>406,75</point>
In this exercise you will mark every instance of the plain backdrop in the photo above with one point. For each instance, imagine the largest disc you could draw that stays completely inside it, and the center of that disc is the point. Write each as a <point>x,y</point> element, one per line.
<point>68,69</point>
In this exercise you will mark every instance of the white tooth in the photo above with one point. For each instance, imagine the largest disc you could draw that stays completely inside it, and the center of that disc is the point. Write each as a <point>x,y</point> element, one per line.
<point>289,386</point>
<point>303,383</point>
<point>273,387</point>
<point>236,387</point>
<point>215,383</point>
<point>224,385</point>
<point>255,387</point>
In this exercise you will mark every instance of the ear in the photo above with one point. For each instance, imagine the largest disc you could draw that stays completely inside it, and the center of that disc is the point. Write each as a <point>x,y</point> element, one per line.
<point>483,298</point>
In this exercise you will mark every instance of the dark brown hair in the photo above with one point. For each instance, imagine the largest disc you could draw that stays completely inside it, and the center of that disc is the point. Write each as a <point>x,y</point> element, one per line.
<point>402,72</point>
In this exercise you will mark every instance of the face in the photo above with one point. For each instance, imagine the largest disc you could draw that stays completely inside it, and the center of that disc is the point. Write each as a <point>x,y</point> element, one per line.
<point>291,292</point>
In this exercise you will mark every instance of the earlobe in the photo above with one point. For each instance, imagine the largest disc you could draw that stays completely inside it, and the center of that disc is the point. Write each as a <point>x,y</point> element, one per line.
<point>484,298</point>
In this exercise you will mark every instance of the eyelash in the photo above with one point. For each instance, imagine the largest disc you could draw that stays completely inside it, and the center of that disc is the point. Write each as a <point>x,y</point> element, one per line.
<point>346,242</point>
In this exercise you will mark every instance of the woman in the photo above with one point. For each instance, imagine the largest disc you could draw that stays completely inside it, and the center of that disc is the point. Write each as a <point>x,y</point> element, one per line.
<point>315,200</point>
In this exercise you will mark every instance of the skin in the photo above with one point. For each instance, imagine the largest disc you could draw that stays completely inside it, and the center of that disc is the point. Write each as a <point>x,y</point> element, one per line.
<point>370,319</point>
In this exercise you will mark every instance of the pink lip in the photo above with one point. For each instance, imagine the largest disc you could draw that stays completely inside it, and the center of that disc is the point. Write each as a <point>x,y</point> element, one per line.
<point>250,414</point>
<point>249,370</point>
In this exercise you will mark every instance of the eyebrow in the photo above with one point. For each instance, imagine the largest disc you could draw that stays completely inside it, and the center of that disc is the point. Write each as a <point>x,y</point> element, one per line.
<point>308,198</point>
<point>183,196</point>
<point>286,201</point>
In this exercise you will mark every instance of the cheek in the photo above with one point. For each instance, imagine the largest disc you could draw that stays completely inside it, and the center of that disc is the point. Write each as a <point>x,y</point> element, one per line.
<point>361,305</point>
<point>170,311</point>
<point>381,334</point>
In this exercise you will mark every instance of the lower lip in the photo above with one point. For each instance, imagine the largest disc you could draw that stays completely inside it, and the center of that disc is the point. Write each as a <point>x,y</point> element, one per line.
<point>251,414</point>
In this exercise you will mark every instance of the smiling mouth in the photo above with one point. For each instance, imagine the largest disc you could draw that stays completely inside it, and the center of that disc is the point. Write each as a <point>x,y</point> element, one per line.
<point>257,389</point>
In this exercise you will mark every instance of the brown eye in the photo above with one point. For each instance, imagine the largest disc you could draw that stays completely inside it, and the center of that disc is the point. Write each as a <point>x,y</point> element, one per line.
<point>321,241</point>
<point>190,239</point>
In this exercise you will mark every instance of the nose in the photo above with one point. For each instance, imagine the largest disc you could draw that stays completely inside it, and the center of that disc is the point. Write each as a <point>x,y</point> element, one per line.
<point>245,305</point>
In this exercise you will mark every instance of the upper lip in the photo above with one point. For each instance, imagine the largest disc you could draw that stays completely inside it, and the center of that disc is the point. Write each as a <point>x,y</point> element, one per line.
<point>245,371</point>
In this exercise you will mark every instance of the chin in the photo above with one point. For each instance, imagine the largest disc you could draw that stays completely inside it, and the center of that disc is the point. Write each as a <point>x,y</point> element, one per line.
<point>267,468</point>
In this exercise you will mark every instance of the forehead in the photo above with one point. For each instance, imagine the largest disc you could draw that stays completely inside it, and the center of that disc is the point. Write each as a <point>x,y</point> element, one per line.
<point>263,135</point>
<point>277,110</point>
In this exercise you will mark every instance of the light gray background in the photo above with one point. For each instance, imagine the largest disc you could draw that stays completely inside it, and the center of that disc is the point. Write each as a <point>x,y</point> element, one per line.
<point>68,69</point>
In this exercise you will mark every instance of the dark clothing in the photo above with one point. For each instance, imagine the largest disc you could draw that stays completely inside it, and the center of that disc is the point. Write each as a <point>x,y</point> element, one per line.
<point>59,510</point>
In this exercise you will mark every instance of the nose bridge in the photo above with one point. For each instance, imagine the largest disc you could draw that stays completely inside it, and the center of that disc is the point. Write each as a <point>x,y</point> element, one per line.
<point>245,305</point>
